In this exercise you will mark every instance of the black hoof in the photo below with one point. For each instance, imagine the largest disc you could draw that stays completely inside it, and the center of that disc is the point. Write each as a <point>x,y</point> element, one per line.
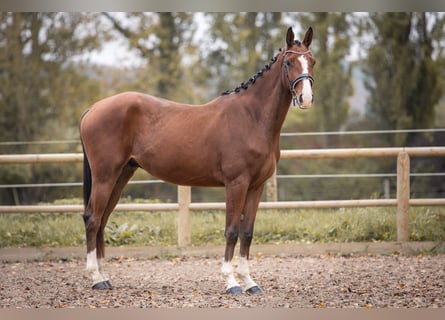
<point>103,285</point>
<point>255,290</point>
<point>235,291</point>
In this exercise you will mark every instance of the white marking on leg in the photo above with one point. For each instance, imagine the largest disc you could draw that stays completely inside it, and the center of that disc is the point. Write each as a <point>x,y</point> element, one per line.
<point>306,91</point>
<point>92,263</point>
<point>228,275</point>
<point>244,274</point>
<point>93,267</point>
<point>100,264</point>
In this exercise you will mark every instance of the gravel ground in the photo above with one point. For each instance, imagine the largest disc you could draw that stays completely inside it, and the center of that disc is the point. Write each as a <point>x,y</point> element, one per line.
<point>288,282</point>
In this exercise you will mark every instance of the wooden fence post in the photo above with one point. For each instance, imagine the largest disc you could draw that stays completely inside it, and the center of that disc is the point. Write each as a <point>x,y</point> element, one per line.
<point>184,199</point>
<point>403,190</point>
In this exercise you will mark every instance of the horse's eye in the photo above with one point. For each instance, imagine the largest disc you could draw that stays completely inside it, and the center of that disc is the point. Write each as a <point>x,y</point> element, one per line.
<point>288,63</point>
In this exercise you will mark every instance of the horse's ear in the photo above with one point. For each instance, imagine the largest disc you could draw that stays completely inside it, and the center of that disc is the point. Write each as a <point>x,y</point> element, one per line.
<point>308,37</point>
<point>290,38</point>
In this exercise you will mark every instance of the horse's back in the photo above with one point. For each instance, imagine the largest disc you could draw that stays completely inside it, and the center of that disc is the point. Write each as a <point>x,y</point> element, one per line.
<point>156,133</point>
<point>123,102</point>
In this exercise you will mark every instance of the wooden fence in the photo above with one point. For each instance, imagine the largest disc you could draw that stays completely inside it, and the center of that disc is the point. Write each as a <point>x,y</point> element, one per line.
<point>184,205</point>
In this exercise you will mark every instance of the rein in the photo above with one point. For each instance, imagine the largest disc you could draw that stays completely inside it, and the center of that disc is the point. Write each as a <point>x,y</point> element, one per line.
<point>293,83</point>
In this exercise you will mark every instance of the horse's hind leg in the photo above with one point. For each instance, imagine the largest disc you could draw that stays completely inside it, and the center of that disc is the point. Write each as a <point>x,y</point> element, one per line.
<point>94,212</point>
<point>94,257</point>
<point>122,181</point>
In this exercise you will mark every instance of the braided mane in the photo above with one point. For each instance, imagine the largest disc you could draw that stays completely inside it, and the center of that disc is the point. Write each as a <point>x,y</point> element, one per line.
<point>245,85</point>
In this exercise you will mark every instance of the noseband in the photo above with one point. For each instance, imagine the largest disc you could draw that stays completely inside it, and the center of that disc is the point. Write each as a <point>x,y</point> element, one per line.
<point>301,77</point>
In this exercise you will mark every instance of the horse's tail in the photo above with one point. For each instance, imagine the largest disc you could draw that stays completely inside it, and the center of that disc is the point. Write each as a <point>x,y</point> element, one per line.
<point>87,181</point>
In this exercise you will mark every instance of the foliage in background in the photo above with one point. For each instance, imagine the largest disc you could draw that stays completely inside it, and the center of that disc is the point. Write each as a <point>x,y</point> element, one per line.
<point>47,80</point>
<point>239,44</point>
<point>333,82</point>
<point>405,71</point>
<point>160,40</point>
<point>40,90</point>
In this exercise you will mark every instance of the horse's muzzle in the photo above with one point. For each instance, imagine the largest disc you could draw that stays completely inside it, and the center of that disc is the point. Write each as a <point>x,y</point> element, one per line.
<point>305,101</point>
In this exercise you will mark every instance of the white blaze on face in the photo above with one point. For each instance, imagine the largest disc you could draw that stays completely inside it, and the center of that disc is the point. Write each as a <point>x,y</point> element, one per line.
<point>306,91</point>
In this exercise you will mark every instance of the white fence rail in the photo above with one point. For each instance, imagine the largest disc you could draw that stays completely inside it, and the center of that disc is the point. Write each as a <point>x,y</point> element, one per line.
<point>184,205</point>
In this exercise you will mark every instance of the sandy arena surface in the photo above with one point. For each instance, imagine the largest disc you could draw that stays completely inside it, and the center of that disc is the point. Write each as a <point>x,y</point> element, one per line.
<point>365,281</point>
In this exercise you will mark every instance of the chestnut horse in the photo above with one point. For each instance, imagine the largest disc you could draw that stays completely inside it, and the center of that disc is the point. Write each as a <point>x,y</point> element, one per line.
<point>231,142</point>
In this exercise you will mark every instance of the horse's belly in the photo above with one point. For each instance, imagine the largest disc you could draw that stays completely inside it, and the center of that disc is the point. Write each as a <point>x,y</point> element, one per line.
<point>183,171</point>
<point>187,179</point>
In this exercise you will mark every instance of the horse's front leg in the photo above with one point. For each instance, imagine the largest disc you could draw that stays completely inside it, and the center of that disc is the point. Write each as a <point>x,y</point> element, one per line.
<point>100,281</point>
<point>235,199</point>
<point>246,234</point>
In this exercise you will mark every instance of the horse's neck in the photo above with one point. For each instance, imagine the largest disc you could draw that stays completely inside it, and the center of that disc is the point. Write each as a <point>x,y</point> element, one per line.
<point>270,99</point>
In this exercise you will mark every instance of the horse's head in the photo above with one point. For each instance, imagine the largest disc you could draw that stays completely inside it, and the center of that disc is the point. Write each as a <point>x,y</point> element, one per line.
<point>298,66</point>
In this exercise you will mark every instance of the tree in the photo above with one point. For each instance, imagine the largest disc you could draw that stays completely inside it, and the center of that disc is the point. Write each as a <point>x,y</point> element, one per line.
<point>37,94</point>
<point>163,41</point>
<point>238,45</point>
<point>405,71</point>
<point>333,85</point>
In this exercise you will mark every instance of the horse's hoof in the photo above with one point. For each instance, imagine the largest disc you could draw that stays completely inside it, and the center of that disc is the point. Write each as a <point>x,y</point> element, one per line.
<point>255,290</point>
<point>235,291</point>
<point>103,285</point>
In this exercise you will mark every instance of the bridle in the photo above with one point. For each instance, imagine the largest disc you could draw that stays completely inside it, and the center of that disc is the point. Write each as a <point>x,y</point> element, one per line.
<point>301,77</point>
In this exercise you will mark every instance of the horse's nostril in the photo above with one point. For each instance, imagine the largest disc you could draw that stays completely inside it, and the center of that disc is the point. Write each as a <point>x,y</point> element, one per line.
<point>300,99</point>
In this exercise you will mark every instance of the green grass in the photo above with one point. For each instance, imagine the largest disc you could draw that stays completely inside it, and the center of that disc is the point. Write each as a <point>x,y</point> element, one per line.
<point>272,226</point>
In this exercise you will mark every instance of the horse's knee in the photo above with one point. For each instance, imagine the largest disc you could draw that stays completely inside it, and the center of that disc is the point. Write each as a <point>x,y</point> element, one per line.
<point>231,235</point>
<point>246,236</point>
